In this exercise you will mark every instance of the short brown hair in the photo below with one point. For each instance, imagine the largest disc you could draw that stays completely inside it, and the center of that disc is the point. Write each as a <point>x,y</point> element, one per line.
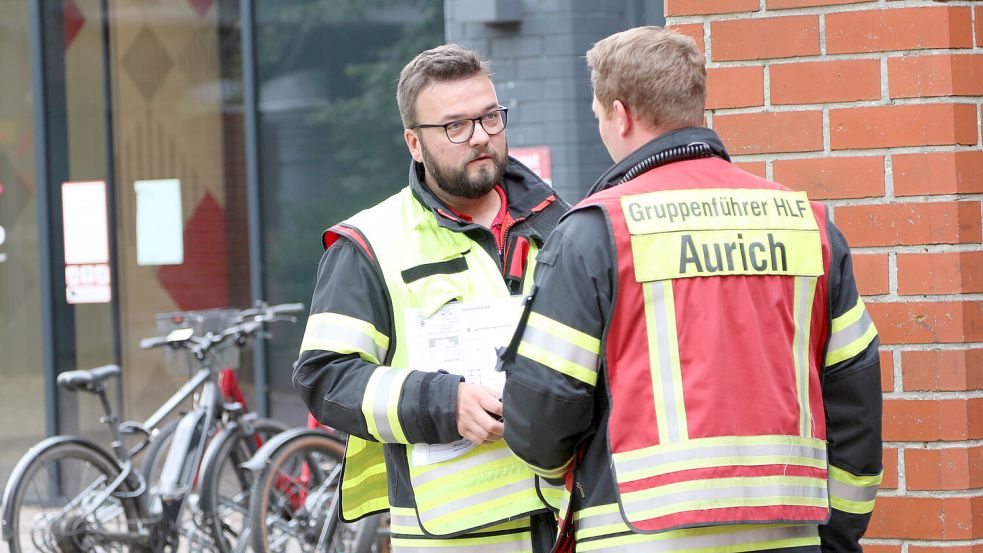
<point>659,75</point>
<point>448,62</point>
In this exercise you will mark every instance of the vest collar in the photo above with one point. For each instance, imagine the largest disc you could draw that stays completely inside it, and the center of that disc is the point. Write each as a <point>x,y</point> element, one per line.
<point>524,191</point>
<point>677,139</point>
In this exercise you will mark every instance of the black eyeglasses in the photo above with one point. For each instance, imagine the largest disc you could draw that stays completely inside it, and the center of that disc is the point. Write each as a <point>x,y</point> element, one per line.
<point>462,130</point>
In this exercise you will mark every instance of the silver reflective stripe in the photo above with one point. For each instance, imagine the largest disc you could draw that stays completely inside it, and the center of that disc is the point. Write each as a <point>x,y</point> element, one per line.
<point>596,521</point>
<point>346,335</point>
<point>380,403</point>
<point>522,542</point>
<point>475,499</point>
<point>455,466</point>
<point>637,508</point>
<point>721,451</point>
<point>403,520</point>
<point>690,541</point>
<point>661,331</point>
<point>558,346</point>
<point>803,326</point>
<point>853,332</point>
<point>843,490</point>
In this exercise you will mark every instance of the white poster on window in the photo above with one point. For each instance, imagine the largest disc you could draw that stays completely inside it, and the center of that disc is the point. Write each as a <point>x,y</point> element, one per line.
<point>160,225</point>
<point>86,237</point>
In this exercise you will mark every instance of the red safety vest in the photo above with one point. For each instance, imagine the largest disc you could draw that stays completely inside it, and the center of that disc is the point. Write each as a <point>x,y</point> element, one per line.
<point>715,347</point>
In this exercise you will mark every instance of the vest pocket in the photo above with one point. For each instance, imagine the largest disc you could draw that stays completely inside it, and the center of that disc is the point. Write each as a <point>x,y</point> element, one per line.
<point>432,292</point>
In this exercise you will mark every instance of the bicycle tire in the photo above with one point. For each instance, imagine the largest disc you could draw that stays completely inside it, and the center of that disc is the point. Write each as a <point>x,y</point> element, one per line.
<point>39,518</point>
<point>280,523</point>
<point>219,507</point>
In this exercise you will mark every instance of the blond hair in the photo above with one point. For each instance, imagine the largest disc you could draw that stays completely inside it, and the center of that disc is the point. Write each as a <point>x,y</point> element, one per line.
<point>658,74</point>
<point>448,62</point>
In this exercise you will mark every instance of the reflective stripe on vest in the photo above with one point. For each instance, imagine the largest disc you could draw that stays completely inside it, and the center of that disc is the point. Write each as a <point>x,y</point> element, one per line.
<point>598,529</point>
<point>364,487</point>
<point>489,484</point>
<point>729,428</point>
<point>852,493</point>
<point>850,334</point>
<point>408,536</point>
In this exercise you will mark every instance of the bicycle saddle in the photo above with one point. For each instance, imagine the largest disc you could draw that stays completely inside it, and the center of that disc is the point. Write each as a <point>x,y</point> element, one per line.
<point>89,380</point>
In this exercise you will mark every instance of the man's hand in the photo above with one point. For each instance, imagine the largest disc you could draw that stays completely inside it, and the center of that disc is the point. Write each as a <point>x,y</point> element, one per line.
<point>477,409</point>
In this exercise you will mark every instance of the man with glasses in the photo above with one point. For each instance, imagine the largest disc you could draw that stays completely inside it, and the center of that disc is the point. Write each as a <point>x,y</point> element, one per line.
<point>464,230</point>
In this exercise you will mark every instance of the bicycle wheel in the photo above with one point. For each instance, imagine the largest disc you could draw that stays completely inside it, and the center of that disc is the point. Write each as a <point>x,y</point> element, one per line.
<point>54,497</point>
<point>293,497</point>
<point>225,485</point>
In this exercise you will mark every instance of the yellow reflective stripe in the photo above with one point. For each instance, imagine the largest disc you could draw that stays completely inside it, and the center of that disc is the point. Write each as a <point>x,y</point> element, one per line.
<point>598,521</point>
<point>557,363</point>
<point>852,493</point>
<point>850,334</point>
<point>561,348</point>
<point>505,501</point>
<point>553,494</point>
<point>719,452</point>
<point>380,404</point>
<point>403,520</point>
<point>666,376</point>
<point>564,332</point>
<point>551,473</point>
<point>514,542</point>
<point>713,539</point>
<point>703,253</point>
<point>344,334</point>
<point>805,291</point>
<point>725,492</point>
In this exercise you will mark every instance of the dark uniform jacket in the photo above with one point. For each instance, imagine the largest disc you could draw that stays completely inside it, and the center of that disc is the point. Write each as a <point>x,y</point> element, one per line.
<point>552,419</point>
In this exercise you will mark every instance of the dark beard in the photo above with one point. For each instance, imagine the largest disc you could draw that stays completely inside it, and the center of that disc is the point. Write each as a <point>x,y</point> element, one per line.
<point>457,182</point>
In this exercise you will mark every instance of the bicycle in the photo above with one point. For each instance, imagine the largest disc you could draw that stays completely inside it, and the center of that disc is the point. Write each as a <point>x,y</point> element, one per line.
<point>106,503</point>
<point>294,504</point>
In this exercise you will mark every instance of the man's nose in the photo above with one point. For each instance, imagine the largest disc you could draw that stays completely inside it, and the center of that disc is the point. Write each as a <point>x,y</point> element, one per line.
<point>479,136</point>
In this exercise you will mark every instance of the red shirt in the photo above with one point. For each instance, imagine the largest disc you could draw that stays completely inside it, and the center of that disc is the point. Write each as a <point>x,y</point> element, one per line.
<point>502,221</point>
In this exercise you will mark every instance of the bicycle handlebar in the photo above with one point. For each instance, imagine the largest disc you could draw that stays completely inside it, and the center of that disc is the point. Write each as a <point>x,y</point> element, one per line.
<point>250,321</point>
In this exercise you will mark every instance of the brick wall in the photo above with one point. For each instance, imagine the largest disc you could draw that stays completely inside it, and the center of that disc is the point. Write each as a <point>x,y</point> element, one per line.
<point>874,107</point>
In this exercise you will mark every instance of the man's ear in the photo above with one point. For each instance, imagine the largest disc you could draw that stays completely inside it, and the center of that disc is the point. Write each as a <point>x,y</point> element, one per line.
<point>622,117</point>
<point>413,144</point>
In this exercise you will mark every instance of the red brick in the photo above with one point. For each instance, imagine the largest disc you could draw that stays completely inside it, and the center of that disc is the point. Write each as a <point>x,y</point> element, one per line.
<point>768,38</point>
<point>881,548</point>
<point>756,168</point>
<point>954,468</point>
<point>942,370</point>
<point>930,420</point>
<point>910,223</point>
<point>978,548</point>
<point>872,275</point>
<point>735,87</point>
<point>890,29</point>
<point>674,8</point>
<point>938,322</point>
<point>770,132</point>
<point>886,360</point>
<point>824,178</point>
<point>936,75</point>
<point>938,173</point>
<point>926,518</point>
<point>979,26</point>
<point>820,82</point>
<point>890,480</point>
<point>940,273</point>
<point>692,30</point>
<point>902,125</point>
<point>785,4</point>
